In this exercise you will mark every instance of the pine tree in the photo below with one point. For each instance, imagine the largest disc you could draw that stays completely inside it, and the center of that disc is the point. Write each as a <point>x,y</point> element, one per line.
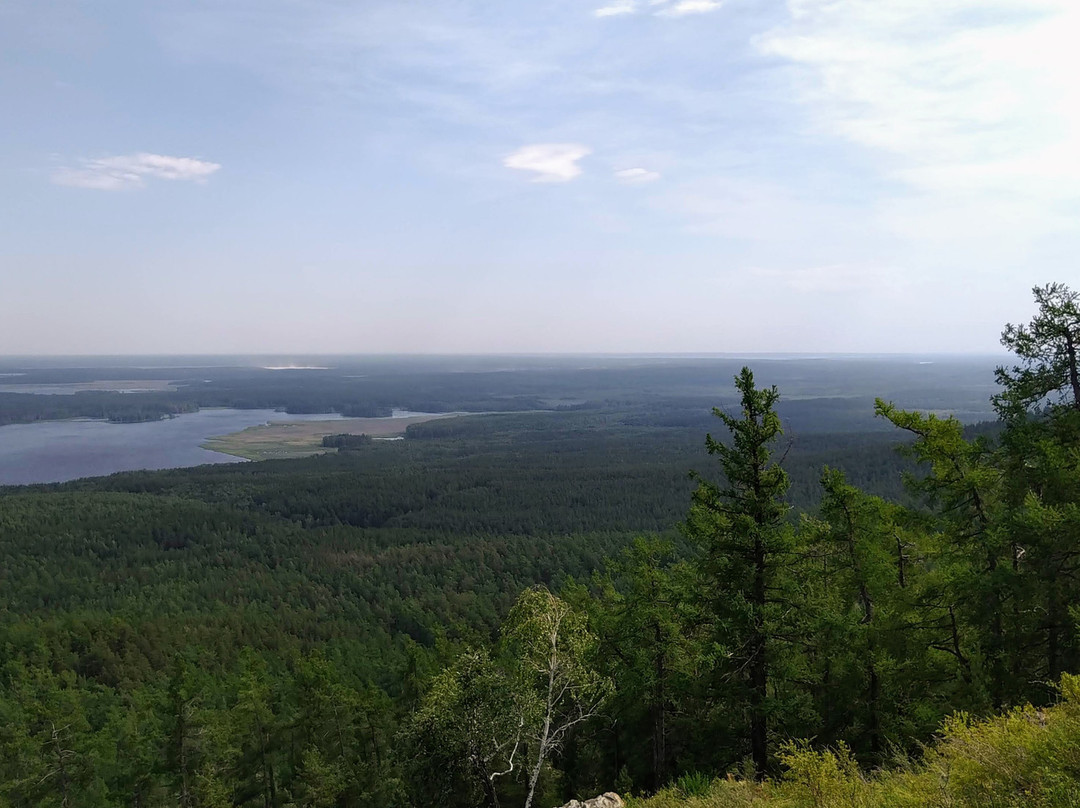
<point>646,618</point>
<point>1049,352</point>
<point>741,524</point>
<point>1040,460</point>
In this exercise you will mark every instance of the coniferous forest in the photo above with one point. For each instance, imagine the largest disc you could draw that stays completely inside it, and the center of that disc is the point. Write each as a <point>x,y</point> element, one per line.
<point>517,609</point>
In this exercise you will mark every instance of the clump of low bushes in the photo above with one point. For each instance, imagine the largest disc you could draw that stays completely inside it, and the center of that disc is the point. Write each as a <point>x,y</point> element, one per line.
<point>1026,758</point>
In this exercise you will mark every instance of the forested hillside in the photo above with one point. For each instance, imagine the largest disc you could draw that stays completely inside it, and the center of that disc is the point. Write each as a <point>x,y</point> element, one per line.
<point>516,609</point>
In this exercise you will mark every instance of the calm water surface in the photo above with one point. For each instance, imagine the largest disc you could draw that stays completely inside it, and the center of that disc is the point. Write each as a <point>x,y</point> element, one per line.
<point>54,451</point>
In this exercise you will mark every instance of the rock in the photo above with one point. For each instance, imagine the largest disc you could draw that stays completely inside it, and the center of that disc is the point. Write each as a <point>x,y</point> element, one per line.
<point>608,800</point>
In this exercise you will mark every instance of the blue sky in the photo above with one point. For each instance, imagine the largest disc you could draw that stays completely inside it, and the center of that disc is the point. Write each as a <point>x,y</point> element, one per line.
<point>617,175</point>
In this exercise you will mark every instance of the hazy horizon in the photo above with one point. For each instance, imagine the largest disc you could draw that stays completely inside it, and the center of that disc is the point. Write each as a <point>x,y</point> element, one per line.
<point>277,355</point>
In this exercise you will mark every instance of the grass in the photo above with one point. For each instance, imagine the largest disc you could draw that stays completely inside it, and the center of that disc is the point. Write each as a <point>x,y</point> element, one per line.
<point>302,439</point>
<point>1026,758</point>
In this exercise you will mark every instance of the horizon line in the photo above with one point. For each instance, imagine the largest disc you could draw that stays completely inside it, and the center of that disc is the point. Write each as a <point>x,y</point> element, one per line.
<point>517,354</point>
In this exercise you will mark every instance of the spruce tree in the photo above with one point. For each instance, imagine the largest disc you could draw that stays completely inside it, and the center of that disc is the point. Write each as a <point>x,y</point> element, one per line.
<point>741,524</point>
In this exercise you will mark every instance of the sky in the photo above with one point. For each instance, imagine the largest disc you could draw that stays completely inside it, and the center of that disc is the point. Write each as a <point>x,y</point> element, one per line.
<point>471,176</point>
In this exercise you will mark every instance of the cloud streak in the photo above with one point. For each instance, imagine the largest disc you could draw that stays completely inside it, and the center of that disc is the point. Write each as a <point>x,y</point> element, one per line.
<point>636,176</point>
<point>549,162</point>
<point>130,171</point>
<point>685,7</point>
<point>616,9</point>
<point>990,105</point>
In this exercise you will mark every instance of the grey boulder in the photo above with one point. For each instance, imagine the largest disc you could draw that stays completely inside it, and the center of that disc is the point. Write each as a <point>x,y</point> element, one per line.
<point>608,800</point>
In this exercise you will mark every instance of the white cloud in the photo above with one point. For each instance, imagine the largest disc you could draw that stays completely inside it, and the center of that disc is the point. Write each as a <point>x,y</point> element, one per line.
<point>684,7</point>
<point>616,8</point>
<point>636,176</point>
<point>665,8</point>
<point>98,180</point>
<point>552,162</point>
<point>972,102</point>
<point>128,171</point>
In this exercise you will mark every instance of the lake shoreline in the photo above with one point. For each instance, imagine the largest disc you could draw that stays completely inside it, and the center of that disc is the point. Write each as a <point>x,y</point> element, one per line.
<point>61,450</point>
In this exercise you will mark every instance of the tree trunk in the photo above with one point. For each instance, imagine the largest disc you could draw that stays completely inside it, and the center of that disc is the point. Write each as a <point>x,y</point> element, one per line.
<point>1074,376</point>
<point>759,672</point>
<point>61,769</point>
<point>901,578</point>
<point>1053,650</point>
<point>874,708</point>
<point>964,662</point>
<point>659,711</point>
<point>490,793</point>
<point>545,734</point>
<point>873,681</point>
<point>185,786</point>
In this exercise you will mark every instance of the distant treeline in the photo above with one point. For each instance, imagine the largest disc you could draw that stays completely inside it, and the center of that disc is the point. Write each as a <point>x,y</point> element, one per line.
<point>825,397</point>
<point>110,406</point>
<point>346,442</point>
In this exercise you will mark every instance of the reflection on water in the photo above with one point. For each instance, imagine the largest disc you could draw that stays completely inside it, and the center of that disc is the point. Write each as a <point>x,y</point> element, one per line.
<point>54,451</point>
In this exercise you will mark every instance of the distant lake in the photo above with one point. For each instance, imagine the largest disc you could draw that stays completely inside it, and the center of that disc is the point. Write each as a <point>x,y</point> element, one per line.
<point>55,451</point>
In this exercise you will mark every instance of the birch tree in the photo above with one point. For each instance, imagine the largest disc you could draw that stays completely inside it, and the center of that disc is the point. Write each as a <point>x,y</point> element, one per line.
<point>551,646</point>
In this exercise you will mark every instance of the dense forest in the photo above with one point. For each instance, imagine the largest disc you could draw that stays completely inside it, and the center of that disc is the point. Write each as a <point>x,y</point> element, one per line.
<point>834,395</point>
<point>521,608</point>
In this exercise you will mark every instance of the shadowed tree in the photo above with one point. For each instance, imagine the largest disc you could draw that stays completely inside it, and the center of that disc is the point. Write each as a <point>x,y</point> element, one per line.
<point>468,732</point>
<point>741,524</point>
<point>646,616</point>
<point>1040,459</point>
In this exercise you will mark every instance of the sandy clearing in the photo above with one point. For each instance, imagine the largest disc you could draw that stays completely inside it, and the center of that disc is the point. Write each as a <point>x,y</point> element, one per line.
<point>300,439</point>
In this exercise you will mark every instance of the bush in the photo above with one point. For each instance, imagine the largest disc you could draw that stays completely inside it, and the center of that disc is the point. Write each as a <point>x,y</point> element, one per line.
<point>1026,758</point>
<point>693,784</point>
<point>346,442</point>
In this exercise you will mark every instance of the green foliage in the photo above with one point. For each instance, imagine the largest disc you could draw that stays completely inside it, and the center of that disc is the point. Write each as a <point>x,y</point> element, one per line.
<point>1026,757</point>
<point>863,611</point>
<point>345,442</point>
<point>382,627</point>
<point>647,615</point>
<point>484,719</point>
<point>468,732</point>
<point>1047,349</point>
<point>746,539</point>
<point>827,779</point>
<point>966,593</point>
<point>692,784</point>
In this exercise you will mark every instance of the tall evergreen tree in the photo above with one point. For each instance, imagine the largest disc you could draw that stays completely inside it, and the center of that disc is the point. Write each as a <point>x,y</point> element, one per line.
<point>1040,459</point>
<point>741,524</point>
<point>968,595</point>
<point>646,619</point>
<point>870,671</point>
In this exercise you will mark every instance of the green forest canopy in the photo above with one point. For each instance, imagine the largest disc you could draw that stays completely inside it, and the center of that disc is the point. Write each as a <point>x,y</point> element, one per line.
<point>342,631</point>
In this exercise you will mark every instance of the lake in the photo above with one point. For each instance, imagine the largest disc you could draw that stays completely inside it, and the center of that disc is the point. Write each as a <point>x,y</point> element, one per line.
<point>54,451</point>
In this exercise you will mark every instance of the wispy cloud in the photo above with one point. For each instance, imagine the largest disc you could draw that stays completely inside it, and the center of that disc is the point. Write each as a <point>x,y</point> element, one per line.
<point>616,8</point>
<point>685,7</point>
<point>966,98</point>
<point>636,176</point>
<point>550,162</point>
<point>125,172</point>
